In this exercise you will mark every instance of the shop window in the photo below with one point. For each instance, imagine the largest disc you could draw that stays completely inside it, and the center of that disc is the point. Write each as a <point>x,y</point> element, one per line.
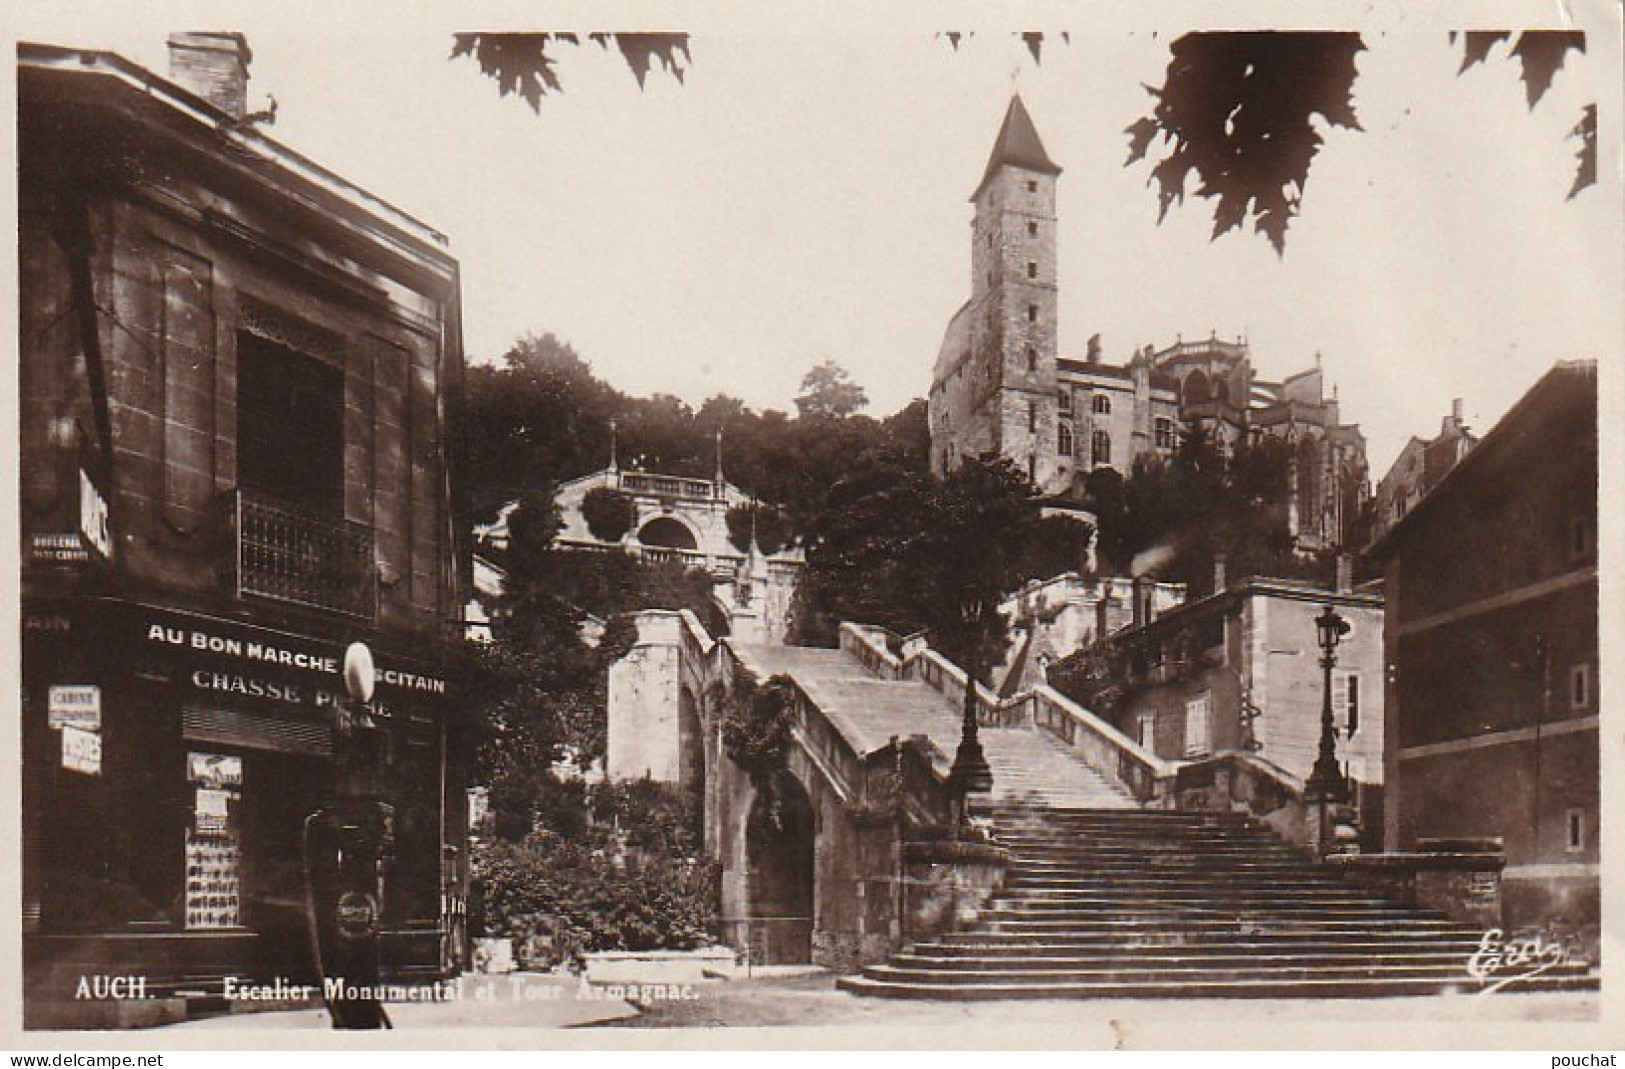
<point>213,852</point>
<point>290,425</point>
<point>1580,686</point>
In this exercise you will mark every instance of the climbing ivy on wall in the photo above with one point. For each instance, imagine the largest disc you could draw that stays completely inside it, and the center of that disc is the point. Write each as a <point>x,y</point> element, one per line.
<point>756,723</point>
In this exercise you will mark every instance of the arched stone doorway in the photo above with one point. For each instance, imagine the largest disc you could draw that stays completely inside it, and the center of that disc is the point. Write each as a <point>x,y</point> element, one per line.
<point>779,836</point>
<point>667,533</point>
<point>690,743</point>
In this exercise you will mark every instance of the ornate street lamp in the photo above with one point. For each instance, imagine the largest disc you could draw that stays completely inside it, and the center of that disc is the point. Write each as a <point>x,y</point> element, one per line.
<point>1325,783</point>
<point>970,772</point>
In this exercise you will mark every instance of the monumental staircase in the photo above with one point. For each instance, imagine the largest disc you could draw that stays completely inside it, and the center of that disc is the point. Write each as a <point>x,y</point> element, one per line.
<point>1113,902</point>
<point>1110,889</point>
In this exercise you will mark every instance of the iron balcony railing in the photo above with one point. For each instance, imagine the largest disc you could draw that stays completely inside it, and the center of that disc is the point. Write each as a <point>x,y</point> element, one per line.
<point>290,554</point>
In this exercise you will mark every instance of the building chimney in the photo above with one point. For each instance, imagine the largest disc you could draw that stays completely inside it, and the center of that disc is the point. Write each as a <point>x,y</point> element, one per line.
<point>214,66</point>
<point>1103,616</point>
<point>1454,422</point>
<point>1345,573</point>
<point>1219,577</point>
<point>1141,601</point>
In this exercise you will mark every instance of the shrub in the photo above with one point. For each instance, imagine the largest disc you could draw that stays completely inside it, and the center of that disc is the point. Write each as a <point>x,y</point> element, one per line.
<point>630,879</point>
<point>609,513</point>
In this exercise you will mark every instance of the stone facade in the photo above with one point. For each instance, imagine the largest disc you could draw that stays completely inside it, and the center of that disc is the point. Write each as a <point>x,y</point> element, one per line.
<point>1001,388</point>
<point>654,701</point>
<point>1492,632</point>
<point>1240,671</point>
<point>1419,467</point>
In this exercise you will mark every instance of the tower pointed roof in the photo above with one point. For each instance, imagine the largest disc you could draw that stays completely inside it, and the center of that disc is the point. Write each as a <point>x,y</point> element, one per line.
<point>1017,145</point>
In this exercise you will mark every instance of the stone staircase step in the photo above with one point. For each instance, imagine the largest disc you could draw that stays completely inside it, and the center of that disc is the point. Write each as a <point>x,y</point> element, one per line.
<point>1128,903</point>
<point>1253,988</point>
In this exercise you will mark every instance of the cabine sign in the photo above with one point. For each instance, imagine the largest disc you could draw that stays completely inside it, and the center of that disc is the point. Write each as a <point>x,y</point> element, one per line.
<point>74,707</point>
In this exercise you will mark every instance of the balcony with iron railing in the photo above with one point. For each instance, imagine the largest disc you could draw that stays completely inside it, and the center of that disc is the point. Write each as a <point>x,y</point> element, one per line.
<point>294,555</point>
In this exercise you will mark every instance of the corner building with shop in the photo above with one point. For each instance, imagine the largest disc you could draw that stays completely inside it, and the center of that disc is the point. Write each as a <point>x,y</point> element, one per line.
<point>235,368</point>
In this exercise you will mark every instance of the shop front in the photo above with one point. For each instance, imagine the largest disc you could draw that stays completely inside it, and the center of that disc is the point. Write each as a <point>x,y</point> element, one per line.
<point>171,762</point>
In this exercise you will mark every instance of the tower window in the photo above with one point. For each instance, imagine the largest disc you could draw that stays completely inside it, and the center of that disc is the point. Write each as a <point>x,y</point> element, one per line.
<point>1032,269</point>
<point>1032,313</point>
<point>1101,444</point>
<point>1032,228</point>
<point>1102,405</point>
<point>1063,444</point>
<point>1032,358</point>
<point>1032,185</point>
<point>1032,416</point>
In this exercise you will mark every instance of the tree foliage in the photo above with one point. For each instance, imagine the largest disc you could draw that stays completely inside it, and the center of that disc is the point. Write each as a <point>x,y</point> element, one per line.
<point>828,390</point>
<point>764,524</point>
<point>1238,110</point>
<point>614,866</point>
<point>1201,503</point>
<point>609,513</point>
<point>1235,108</point>
<point>523,63</point>
<point>543,417</point>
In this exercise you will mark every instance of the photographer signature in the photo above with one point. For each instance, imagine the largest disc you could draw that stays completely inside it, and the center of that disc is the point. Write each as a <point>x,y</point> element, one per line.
<point>1510,960</point>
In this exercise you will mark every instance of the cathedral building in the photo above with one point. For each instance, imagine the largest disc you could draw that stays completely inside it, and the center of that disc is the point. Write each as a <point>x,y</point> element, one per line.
<point>1001,388</point>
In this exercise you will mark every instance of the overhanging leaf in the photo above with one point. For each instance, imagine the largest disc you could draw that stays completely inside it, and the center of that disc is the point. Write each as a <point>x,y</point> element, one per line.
<point>1476,45</point>
<point>1586,132</point>
<point>1238,109</point>
<point>520,62</point>
<point>1542,53</point>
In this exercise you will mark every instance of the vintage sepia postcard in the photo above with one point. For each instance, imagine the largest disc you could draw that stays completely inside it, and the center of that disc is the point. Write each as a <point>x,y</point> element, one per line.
<point>550,527</point>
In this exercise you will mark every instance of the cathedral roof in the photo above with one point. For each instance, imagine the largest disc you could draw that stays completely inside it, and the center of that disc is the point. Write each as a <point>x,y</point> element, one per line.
<point>1017,146</point>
